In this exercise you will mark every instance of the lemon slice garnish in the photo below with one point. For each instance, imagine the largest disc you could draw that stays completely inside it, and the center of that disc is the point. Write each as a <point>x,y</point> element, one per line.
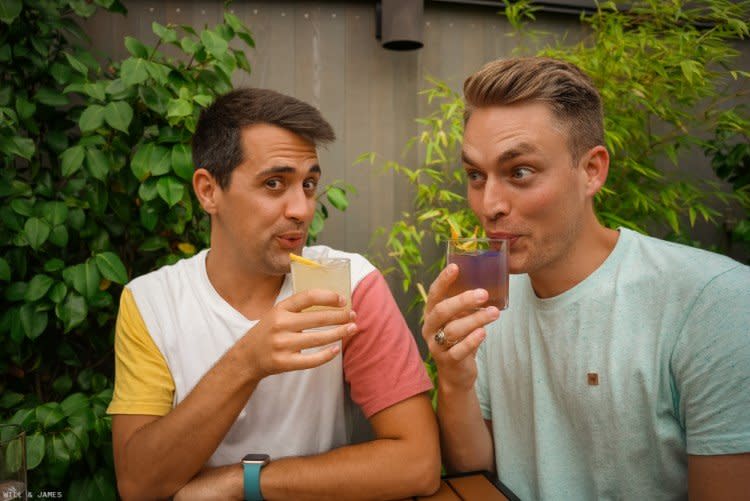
<point>303,260</point>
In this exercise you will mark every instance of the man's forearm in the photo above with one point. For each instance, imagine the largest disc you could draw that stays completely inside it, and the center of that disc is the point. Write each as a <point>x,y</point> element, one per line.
<point>373,470</point>
<point>465,441</point>
<point>380,469</point>
<point>165,454</point>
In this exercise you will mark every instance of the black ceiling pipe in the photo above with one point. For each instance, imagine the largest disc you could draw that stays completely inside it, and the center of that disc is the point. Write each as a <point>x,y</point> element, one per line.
<point>400,23</point>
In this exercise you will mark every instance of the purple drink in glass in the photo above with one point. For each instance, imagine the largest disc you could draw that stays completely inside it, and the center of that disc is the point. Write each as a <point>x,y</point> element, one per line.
<point>482,264</point>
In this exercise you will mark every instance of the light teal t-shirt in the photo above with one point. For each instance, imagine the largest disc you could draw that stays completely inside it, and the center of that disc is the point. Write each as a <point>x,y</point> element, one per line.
<point>602,392</point>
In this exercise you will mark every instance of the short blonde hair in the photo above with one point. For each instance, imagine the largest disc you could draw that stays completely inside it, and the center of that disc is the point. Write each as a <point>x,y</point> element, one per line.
<point>570,93</point>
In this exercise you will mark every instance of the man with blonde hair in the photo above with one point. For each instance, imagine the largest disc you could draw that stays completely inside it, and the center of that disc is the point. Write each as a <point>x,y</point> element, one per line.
<point>621,368</point>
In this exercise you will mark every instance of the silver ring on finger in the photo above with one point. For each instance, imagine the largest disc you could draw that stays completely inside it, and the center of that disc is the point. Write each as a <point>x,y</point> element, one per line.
<point>440,337</point>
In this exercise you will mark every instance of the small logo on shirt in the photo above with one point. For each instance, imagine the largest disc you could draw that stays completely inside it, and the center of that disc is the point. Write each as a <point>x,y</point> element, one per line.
<point>592,378</point>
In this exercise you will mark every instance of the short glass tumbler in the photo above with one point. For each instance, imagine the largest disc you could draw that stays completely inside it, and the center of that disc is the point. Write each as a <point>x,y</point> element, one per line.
<point>482,264</point>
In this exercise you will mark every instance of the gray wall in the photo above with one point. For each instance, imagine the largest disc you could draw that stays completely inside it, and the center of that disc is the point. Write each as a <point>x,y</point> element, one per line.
<point>325,52</point>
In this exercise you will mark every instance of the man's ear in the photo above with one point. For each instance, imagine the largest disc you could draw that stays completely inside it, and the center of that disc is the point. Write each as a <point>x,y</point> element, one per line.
<point>596,168</point>
<point>206,189</point>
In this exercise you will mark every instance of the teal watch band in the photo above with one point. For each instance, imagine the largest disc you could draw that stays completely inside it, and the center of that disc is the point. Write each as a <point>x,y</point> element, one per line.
<point>251,466</point>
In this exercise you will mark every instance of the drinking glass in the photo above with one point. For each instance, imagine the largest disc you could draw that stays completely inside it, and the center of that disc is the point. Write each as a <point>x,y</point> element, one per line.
<point>328,273</point>
<point>12,462</point>
<point>482,264</point>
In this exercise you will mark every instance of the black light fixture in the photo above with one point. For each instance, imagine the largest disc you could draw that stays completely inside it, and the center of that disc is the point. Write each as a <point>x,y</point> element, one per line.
<point>399,23</point>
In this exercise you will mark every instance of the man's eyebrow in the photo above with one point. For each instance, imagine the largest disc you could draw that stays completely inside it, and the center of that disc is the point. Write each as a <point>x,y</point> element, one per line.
<point>516,151</point>
<point>465,159</point>
<point>285,169</point>
<point>507,155</point>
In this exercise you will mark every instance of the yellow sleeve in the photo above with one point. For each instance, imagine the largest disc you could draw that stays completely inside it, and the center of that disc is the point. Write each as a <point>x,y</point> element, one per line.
<point>143,382</point>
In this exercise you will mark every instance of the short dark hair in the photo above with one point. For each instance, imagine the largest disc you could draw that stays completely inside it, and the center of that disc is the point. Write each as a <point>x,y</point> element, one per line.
<point>570,93</point>
<point>217,145</point>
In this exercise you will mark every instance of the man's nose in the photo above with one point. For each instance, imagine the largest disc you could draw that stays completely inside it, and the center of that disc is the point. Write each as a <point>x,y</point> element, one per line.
<point>496,199</point>
<point>298,204</point>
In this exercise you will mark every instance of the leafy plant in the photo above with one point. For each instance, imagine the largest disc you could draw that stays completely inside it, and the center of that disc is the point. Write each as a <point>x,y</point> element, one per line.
<point>95,188</point>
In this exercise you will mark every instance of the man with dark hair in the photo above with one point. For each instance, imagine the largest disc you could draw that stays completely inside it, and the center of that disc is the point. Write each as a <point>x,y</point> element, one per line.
<point>221,368</point>
<point>621,368</point>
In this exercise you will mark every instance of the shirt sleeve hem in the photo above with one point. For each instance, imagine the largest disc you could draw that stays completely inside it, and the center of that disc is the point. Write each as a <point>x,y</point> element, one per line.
<point>371,408</point>
<point>736,444</point>
<point>146,409</point>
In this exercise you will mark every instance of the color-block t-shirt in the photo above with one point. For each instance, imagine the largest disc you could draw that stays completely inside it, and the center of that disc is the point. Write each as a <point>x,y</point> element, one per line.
<point>173,326</point>
<point>602,392</point>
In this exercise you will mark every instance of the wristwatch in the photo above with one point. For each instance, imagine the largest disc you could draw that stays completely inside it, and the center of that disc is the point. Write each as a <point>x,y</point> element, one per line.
<point>251,465</point>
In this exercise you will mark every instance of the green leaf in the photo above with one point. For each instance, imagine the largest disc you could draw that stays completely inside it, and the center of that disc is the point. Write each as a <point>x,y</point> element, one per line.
<point>133,71</point>
<point>179,108</point>
<point>57,450</point>
<point>58,292</point>
<point>33,321</point>
<point>203,99</point>
<point>182,161</point>
<point>150,159</point>
<point>62,386</point>
<point>74,403</point>
<point>136,48</point>
<point>62,73</point>
<point>38,287</point>
<point>158,72</point>
<point>118,115</point>
<point>4,270</point>
<point>53,265</point>
<point>95,90</point>
<point>36,232</point>
<point>13,458</point>
<point>154,243</point>
<point>337,197</point>
<point>317,224</point>
<point>84,278</point>
<point>147,190</point>
<point>72,311</point>
<point>155,98</point>
<point>76,64</point>
<point>22,146</point>
<point>82,8</point>
<point>49,415</point>
<point>59,235</point>
<point>92,118</point>
<point>149,216</point>
<point>189,46</point>
<point>16,291</point>
<point>9,10</point>
<point>101,486</point>
<point>215,44</point>
<point>111,267</point>
<point>170,189</point>
<point>140,163</point>
<point>73,445</point>
<point>167,35</point>
<point>97,163</point>
<point>10,399</point>
<point>35,445</point>
<point>22,206</point>
<point>51,97</point>
<point>24,108</point>
<point>72,159</point>
<point>54,212</point>
<point>76,218</point>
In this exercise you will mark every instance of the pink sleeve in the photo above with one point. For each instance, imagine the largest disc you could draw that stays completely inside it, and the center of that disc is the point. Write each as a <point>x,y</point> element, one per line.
<point>381,363</point>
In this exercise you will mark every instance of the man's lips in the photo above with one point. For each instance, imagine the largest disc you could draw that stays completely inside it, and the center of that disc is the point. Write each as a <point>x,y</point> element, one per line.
<point>291,240</point>
<point>512,237</point>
